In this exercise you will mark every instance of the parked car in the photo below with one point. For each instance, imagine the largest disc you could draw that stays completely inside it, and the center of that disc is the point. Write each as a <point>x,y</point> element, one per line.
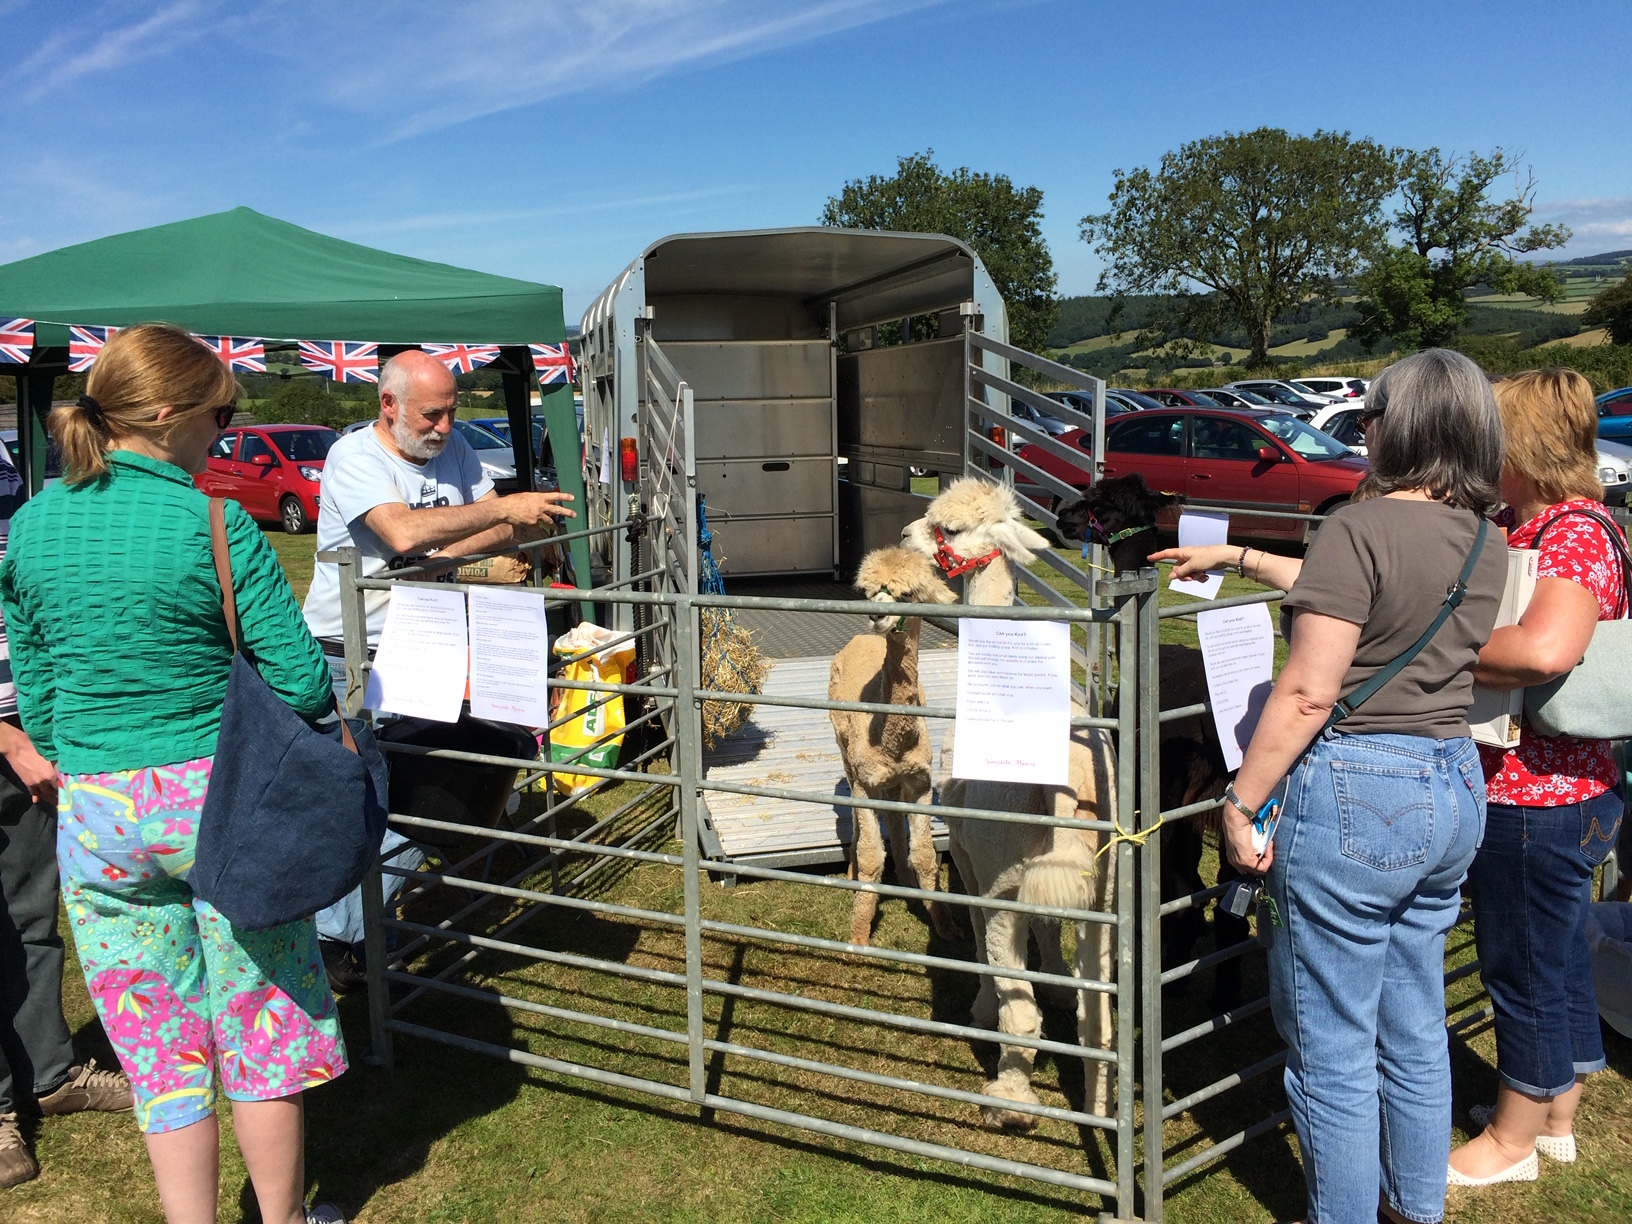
<point>272,471</point>
<point>1342,387</point>
<point>1084,403</point>
<point>1231,457</point>
<point>1140,400</point>
<point>1236,398</point>
<point>1301,403</point>
<point>1615,415</point>
<point>1342,421</point>
<point>1614,471</point>
<point>1051,425</point>
<point>1171,397</point>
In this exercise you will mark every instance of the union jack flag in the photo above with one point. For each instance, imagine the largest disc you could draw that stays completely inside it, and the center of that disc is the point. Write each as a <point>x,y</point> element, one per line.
<point>242,355</point>
<point>342,360</point>
<point>16,339</point>
<point>85,346</point>
<point>463,358</point>
<point>554,363</point>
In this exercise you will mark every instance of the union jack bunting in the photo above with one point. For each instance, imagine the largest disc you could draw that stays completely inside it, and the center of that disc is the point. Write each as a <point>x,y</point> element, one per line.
<point>16,339</point>
<point>85,346</point>
<point>342,360</point>
<point>243,356</point>
<point>463,358</point>
<point>554,363</point>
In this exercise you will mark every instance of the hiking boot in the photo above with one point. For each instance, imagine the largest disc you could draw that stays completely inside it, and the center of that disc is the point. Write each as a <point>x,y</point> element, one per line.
<point>345,968</point>
<point>17,1163</point>
<point>88,1088</point>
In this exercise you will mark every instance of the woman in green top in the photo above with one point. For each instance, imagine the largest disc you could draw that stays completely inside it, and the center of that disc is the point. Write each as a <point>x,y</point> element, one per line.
<point>121,656</point>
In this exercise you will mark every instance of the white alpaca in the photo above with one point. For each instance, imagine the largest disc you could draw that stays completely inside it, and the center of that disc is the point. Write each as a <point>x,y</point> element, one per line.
<point>887,756</point>
<point>977,528</point>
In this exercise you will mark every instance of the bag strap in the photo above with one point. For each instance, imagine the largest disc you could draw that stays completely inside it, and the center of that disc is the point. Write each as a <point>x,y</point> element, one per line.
<point>229,598</point>
<point>1453,600</point>
<point>1616,537</point>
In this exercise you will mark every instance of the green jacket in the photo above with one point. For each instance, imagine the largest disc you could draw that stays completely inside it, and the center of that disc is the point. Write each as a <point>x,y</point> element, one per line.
<point>118,644</point>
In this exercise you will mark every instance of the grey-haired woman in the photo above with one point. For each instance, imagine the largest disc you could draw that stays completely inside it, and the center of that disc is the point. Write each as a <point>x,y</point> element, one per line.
<point>1384,809</point>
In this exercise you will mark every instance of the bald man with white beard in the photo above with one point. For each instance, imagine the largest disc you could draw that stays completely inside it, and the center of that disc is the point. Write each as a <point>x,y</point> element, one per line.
<point>404,489</point>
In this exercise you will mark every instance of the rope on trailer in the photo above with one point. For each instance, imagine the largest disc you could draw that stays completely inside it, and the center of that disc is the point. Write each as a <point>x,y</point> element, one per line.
<point>730,660</point>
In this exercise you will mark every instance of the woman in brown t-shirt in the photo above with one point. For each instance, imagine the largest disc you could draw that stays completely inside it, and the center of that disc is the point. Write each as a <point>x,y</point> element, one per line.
<point>1382,811</point>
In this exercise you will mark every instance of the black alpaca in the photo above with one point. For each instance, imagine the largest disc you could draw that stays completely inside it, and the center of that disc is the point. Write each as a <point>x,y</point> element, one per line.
<point>1120,513</point>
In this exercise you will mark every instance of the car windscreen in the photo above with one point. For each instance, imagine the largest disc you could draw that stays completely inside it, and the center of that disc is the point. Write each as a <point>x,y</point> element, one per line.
<point>304,445</point>
<point>479,438</point>
<point>1305,441</point>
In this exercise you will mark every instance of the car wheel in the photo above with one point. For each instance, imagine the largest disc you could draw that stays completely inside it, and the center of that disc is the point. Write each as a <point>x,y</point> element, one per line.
<point>293,515</point>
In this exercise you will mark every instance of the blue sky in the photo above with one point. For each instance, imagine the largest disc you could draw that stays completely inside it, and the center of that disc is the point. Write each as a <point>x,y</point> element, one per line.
<point>552,140</point>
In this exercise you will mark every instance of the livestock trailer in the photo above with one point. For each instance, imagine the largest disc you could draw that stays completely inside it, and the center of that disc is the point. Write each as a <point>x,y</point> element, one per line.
<point>794,381</point>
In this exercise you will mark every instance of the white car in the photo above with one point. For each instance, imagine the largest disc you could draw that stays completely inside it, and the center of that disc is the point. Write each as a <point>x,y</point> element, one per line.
<point>1614,471</point>
<point>1344,387</point>
<point>1342,421</point>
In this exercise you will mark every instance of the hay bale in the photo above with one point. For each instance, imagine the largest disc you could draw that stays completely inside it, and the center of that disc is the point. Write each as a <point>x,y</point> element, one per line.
<point>731,664</point>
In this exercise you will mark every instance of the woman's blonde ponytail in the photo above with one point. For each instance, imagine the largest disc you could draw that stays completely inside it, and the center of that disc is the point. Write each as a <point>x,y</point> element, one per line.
<point>140,370</point>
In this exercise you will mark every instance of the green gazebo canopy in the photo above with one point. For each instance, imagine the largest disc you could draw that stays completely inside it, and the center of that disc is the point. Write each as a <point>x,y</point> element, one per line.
<point>240,273</point>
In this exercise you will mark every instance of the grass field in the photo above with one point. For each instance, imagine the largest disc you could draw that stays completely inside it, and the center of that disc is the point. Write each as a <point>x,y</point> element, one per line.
<point>452,1136</point>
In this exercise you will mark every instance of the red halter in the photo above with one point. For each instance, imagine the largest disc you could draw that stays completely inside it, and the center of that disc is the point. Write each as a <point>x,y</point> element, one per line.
<point>953,565</point>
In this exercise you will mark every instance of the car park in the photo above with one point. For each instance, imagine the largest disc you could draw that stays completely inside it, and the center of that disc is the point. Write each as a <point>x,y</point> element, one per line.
<point>1234,397</point>
<point>1084,403</point>
<point>1254,458</point>
<point>1615,415</point>
<point>1051,425</point>
<point>273,471</point>
<point>1342,421</point>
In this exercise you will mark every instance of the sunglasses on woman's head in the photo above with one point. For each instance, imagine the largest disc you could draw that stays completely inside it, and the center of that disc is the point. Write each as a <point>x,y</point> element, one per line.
<point>1364,421</point>
<point>224,415</point>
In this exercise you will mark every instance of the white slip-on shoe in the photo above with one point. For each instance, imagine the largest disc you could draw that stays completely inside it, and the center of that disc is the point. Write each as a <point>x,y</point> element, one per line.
<point>1528,1169</point>
<point>1555,1147</point>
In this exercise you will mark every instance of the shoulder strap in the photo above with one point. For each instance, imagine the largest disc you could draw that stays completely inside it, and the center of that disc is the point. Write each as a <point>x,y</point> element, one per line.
<point>1616,537</point>
<point>229,599</point>
<point>223,567</point>
<point>1453,600</point>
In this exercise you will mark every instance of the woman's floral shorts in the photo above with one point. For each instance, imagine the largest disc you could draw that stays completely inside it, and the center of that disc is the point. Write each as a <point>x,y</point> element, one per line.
<point>177,987</point>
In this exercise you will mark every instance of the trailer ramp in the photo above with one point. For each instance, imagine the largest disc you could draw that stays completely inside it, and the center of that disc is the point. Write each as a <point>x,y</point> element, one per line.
<point>794,749</point>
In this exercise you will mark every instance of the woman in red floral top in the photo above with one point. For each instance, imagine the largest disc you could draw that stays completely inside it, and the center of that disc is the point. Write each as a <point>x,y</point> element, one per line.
<point>1553,807</point>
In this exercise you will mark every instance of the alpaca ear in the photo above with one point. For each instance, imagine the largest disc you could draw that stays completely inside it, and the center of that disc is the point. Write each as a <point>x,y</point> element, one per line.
<point>1016,539</point>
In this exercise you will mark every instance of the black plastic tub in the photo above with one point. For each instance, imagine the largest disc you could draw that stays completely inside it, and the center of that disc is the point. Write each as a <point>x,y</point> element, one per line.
<point>461,792</point>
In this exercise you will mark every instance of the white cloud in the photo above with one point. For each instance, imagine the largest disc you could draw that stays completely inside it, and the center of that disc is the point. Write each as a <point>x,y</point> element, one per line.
<point>104,43</point>
<point>1598,224</point>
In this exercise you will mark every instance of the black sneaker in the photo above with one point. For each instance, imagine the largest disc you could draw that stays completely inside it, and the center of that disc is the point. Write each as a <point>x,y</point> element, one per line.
<point>345,967</point>
<point>324,1213</point>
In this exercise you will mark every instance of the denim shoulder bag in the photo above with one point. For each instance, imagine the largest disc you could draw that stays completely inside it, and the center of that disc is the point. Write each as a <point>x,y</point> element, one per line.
<point>295,810</point>
<point>1590,701</point>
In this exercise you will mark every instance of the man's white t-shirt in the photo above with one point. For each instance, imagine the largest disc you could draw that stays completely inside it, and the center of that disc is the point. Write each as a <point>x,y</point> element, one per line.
<point>359,474</point>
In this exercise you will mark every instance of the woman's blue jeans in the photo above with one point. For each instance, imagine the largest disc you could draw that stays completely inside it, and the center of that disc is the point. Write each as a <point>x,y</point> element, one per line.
<point>1532,883</point>
<point>1377,835</point>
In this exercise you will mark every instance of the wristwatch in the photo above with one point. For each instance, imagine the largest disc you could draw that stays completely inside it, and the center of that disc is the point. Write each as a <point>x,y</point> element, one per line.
<point>1234,800</point>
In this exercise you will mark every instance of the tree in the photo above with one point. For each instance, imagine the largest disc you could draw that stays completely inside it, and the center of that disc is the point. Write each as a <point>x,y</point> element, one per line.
<point>1454,236</point>
<point>305,401</point>
<point>1000,222</point>
<point>1612,309</point>
<point>1263,219</point>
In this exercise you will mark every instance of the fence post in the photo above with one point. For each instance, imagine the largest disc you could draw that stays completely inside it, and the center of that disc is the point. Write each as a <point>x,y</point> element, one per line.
<point>1150,885</point>
<point>688,756</point>
<point>1127,971</point>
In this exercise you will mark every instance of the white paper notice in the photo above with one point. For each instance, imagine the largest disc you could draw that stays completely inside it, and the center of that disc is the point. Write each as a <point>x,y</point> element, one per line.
<point>1195,531</point>
<point>1014,702</point>
<point>606,462</point>
<point>424,655</point>
<point>509,656</point>
<point>1238,650</point>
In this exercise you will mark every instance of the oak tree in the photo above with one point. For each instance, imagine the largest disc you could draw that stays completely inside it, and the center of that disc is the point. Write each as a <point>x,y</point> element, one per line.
<point>1453,234</point>
<point>1260,221</point>
<point>1612,309</point>
<point>1000,222</point>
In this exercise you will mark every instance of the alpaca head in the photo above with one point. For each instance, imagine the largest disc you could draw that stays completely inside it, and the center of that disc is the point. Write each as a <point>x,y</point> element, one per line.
<point>899,575</point>
<point>972,522</point>
<point>1120,513</point>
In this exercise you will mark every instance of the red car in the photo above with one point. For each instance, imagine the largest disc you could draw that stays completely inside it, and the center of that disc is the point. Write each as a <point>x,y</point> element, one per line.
<point>1227,457</point>
<point>271,470</point>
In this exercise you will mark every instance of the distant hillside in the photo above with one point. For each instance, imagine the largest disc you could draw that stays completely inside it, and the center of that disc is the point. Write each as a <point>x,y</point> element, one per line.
<point>1612,259</point>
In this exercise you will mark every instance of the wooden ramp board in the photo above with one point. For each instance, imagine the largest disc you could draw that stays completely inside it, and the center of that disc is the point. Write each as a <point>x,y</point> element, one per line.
<point>794,749</point>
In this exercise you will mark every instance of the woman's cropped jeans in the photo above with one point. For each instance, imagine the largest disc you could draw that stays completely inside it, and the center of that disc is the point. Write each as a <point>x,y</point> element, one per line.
<point>1377,835</point>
